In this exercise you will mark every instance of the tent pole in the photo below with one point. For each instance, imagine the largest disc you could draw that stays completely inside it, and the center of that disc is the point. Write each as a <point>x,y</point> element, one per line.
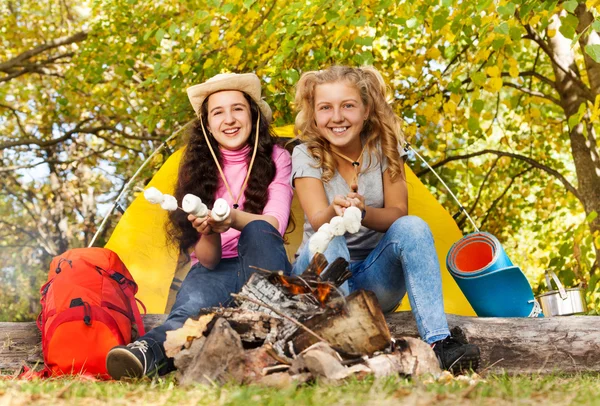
<point>126,188</point>
<point>408,146</point>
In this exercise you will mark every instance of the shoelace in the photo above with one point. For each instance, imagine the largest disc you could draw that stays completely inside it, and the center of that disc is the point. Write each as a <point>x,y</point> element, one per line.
<point>143,347</point>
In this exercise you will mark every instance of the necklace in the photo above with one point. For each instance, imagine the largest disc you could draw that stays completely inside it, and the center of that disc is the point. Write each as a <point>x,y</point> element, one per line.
<point>212,152</point>
<point>355,165</point>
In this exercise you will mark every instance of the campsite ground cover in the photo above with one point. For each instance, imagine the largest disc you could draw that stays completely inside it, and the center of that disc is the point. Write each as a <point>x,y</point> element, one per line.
<point>494,389</point>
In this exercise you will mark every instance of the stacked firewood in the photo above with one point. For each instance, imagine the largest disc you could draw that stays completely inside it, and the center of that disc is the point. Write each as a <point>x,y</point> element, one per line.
<point>292,329</point>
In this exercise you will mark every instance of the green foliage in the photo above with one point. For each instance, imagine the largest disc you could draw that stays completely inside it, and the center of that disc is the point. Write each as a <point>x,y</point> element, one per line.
<point>466,76</point>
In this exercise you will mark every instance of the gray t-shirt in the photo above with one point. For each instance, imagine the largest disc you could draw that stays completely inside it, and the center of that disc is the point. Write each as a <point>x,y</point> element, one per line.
<point>370,185</point>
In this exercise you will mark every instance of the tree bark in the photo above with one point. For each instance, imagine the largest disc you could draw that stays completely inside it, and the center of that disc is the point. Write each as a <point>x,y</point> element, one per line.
<point>572,95</point>
<point>512,345</point>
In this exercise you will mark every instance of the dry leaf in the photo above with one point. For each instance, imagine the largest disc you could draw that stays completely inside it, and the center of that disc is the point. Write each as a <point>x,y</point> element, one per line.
<point>176,339</point>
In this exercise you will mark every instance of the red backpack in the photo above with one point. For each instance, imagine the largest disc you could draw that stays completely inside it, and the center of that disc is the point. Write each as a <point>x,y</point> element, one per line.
<point>88,307</point>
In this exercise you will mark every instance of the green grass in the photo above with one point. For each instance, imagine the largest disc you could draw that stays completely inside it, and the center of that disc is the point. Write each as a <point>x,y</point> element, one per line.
<point>493,390</point>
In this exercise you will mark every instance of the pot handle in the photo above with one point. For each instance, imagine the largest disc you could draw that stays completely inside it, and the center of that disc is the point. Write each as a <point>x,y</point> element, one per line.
<point>561,290</point>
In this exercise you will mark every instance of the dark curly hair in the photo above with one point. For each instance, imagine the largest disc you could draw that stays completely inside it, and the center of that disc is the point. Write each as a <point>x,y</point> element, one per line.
<point>198,174</point>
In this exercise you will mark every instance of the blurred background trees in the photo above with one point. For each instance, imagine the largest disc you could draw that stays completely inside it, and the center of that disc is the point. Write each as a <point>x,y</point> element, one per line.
<point>502,97</point>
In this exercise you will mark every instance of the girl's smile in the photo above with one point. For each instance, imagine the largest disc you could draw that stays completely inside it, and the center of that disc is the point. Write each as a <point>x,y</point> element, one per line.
<point>340,113</point>
<point>229,118</point>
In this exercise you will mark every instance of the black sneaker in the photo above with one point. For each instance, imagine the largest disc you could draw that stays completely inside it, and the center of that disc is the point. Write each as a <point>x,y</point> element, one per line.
<point>456,356</point>
<point>134,360</point>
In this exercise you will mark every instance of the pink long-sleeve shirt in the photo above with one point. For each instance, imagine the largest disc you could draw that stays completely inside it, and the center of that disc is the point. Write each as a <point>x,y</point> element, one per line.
<point>235,167</point>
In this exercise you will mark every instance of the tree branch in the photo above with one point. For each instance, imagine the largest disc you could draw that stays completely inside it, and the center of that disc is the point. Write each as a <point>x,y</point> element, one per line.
<point>54,141</point>
<point>535,74</point>
<point>532,92</point>
<point>504,192</point>
<point>524,158</point>
<point>19,59</point>
<point>532,35</point>
<point>479,192</point>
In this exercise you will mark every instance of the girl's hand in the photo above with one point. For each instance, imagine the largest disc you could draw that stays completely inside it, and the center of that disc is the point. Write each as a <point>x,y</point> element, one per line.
<point>201,224</point>
<point>339,204</point>
<point>356,200</point>
<point>221,226</point>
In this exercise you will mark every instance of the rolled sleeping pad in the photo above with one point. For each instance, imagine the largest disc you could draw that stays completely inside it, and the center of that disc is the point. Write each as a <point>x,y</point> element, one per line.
<point>491,283</point>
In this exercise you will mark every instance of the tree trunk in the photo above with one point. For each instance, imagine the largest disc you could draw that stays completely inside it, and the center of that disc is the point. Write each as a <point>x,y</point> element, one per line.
<point>512,345</point>
<point>572,95</point>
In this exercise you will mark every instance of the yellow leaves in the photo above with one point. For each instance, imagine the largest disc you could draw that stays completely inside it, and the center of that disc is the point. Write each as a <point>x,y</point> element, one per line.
<point>513,71</point>
<point>447,126</point>
<point>551,33</point>
<point>184,68</point>
<point>449,107</point>
<point>593,4</point>
<point>534,20</point>
<point>534,113</point>
<point>595,110</point>
<point>493,71</point>
<point>433,53</point>
<point>208,63</point>
<point>493,85</point>
<point>450,37</point>
<point>235,54</point>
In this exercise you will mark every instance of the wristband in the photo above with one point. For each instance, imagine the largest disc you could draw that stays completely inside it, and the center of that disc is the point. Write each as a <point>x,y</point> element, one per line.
<point>363,213</point>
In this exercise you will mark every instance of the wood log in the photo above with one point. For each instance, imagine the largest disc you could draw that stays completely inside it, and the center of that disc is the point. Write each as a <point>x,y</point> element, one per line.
<point>361,329</point>
<point>512,345</point>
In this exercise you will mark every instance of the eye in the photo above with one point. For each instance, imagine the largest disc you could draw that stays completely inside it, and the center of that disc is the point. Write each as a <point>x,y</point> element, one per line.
<point>324,108</point>
<point>348,105</point>
<point>216,113</point>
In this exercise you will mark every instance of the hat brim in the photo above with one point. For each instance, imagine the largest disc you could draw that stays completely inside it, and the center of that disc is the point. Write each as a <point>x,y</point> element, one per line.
<point>248,83</point>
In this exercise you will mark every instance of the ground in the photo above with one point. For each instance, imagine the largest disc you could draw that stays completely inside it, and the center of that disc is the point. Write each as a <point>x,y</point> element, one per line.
<point>491,390</point>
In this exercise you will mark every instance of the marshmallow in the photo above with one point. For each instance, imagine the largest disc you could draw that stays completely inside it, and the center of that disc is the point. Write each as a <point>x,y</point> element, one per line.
<point>220,210</point>
<point>326,228</point>
<point>319,241</point>
<point>192,204</point>
<point>169,203</point>
<point>337,226</point>
<point>352,219</point>
<point>153,195</point>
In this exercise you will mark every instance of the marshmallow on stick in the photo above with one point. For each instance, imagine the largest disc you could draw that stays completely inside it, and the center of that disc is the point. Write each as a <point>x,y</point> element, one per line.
<point>352,219</point>
<point>153,195</point>
<point>169,203</point>
<point>192,204</point>
<point>220,210</point>
<point>337,226</point>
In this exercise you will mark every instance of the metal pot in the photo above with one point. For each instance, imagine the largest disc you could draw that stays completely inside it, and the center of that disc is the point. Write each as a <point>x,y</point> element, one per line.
<point>561,302</point>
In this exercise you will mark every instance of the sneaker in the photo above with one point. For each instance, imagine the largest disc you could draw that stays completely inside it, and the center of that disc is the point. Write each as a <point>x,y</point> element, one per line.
<point>456,356</point>
<point>134,360</point>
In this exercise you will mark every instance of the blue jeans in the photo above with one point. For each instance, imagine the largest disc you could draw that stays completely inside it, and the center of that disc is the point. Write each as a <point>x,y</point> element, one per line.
<point>260,245</point>
<point>403,261</point>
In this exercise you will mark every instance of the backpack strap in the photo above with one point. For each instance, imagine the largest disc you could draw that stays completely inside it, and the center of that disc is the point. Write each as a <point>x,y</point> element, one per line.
<point>129,287</point>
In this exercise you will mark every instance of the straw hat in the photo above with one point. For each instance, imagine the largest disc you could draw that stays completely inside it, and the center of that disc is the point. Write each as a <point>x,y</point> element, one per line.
<point>248,83</point>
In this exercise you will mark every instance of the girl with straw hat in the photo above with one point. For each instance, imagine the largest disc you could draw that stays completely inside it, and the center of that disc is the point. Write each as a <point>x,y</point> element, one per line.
<point>231,155</point>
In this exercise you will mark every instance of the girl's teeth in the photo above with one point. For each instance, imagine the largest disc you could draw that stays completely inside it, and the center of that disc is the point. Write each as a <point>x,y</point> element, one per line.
<point>340,129</point>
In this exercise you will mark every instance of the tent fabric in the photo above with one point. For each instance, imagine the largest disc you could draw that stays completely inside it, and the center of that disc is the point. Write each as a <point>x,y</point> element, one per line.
<point>140,240</point>
<point>488,278</point>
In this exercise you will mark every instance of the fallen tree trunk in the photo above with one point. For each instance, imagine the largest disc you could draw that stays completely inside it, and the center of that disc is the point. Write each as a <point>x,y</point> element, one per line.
<point>512,345</point>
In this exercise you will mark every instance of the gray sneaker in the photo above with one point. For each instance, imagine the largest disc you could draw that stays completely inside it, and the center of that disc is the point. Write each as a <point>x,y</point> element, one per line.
<point>134,360</point>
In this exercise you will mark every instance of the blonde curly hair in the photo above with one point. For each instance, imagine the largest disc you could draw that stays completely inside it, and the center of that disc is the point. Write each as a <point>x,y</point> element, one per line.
<point>383,126</point>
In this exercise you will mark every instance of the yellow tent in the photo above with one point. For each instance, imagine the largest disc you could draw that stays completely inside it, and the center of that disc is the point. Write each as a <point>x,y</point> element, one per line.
<point>140,241</point>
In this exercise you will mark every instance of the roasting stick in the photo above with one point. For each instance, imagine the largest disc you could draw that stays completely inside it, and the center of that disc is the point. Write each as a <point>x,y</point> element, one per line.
<point>139,189</point>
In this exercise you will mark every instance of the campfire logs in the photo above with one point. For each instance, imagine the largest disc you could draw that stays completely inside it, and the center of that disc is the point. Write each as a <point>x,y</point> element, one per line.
<point>293,329</point>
